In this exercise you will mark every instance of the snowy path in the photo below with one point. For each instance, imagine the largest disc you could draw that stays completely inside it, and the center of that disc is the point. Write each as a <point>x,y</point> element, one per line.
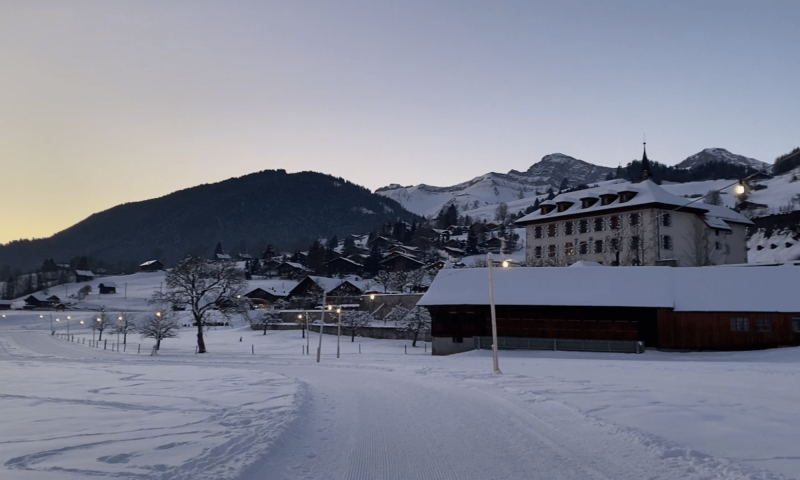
<point>281,416</point>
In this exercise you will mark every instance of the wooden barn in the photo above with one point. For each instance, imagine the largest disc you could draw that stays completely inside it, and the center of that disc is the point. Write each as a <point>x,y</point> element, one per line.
<point>38,300</point>
<point>107,287</point>
<point>693,308</point>
<point>84,276</point>
<point>260,293</point>
<point>151,266</point>
<point>345,266</point>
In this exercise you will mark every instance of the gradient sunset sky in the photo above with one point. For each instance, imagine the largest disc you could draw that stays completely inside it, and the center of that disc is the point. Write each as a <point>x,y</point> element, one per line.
<point>105,102</point>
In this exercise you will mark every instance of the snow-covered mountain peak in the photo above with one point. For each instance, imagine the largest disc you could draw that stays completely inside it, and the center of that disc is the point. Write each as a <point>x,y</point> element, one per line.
<point>720,155</point>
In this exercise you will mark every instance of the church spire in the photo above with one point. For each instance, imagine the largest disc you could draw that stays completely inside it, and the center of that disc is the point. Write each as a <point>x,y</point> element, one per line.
<point>646,173</point>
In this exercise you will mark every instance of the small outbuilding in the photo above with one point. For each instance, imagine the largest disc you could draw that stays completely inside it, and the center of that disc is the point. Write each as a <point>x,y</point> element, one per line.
<point>84,276</point>
<point>6,304</point>
<point>151,266</point>
<point>107,287</point>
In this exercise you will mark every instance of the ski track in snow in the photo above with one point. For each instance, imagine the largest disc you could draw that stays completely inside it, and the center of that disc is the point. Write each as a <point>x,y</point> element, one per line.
<point>291,419</point>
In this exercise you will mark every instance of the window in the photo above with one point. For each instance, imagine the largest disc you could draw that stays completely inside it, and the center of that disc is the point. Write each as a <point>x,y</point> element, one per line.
<point>599,224</point>
<point>796,324</point>
<point>666,242</point>
<point>569,228</point>
<point>583,248</point>
<point>615,244</point>
<point>569,249</point>
<point>551,251</point>
<point>635,219</point>
<point>666,219</point>
<point>718,245</point>
<point>583,226</point>
<point>552,230</point>
<point>537,252</point>
<point>458,339</point>
<point>538,231</point>
<point>634,242</point>
<point>764,324</point>
<point>599,246</point>
<point>740,324</point>
<point>614,222</point>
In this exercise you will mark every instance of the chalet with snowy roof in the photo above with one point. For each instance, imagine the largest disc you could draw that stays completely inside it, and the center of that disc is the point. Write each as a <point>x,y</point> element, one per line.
<point>383,243</point>
<point>271,295</point>
<point>290,269</point>
<point>401,263</point>
<point>345,266</point>
<point>633,224</point>
<point>38,300</point>
<point>494,244</point>
<point>6,304</point>
<point>222,257</point>
<point>151,266</point>
<point>107,287</point>
<point>245,256</point>
<point>83,276</point>
<point>308,293</point>
<point>695,308</point>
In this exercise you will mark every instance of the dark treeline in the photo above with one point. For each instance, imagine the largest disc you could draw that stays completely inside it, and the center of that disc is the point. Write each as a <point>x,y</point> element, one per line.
<point>707,171</point>
<point>786,162</point>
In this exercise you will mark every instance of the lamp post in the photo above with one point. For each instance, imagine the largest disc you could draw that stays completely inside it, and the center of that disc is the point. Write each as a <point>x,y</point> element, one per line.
<point>119,324</point>
<point>494,317</point>
<point>94,329</point>
<point>321,324</point>
<point>338,330</point>
<point>68,319</point>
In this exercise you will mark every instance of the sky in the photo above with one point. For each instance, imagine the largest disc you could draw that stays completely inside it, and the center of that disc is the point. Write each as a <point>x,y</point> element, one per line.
<point>103,103</point>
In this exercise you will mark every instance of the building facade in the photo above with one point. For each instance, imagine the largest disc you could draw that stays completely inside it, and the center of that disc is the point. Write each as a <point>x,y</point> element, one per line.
<point>633,224</point>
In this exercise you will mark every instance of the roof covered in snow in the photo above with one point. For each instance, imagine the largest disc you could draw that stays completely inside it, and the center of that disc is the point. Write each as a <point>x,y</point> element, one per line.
<point>691,289</point>
<point>84,273</point>
<point>647,193</point>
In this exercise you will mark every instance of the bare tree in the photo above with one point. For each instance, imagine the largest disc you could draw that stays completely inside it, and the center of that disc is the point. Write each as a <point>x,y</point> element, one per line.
<point>102,322</point>
<point>713,197</point>
<point>84,290</point>
<point>355,320</point>
<point>158,325</point>
<point>699,244</point>
<point>417,320</point>
<point>205,286</point>
<point>270,317</point>
<point>126,323</point>
<point>396,315</point>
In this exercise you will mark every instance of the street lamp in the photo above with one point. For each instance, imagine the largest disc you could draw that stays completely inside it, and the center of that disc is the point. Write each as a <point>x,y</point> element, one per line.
<point>119,322</point>
<point>740,188</point>
<point>494,316</point>
<point>68,319</point>
<point>338,330</point>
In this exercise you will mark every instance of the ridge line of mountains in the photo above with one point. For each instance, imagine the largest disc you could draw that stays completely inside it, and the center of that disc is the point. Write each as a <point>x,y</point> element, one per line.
<point>289,211</point>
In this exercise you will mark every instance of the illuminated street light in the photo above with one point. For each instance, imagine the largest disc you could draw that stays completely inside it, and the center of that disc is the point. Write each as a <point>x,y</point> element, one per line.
<point>740,188</point>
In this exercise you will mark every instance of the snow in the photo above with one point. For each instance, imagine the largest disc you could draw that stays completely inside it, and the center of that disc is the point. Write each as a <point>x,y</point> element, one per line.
<point>735,289</point>
<point>647,193</point>
<point>781,246</point>
<point>260,409</point>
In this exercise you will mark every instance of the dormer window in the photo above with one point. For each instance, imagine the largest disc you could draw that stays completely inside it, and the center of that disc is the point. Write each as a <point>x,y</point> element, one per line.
<point>607,198</point>
<point>547,209</point>
<point>588,202</point>
<point>562,206</point>
<point>626,196</point>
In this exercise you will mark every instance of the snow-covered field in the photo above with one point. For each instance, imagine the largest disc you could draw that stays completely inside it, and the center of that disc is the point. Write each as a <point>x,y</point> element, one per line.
<point>256,407</point>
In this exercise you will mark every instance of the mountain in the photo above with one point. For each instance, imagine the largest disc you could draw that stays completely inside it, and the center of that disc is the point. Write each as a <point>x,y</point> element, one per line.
<point>493,188</point>
<point>721,155</point>
<point>245,213</point>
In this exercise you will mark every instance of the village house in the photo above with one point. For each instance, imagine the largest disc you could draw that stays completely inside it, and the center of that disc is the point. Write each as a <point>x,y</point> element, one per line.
<point>694,308</point>
<point>38,300</point>
<point>151,266</point>
<point>309,292</point>
<point>633,224</point>
<point>83,276</point>
<point>344,266</point>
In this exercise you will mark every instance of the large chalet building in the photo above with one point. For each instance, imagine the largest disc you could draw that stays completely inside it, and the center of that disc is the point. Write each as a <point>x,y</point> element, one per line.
<point>633,224</point>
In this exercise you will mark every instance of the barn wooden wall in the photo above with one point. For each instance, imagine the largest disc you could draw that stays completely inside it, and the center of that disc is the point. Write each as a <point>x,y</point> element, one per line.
<point>712,331</point>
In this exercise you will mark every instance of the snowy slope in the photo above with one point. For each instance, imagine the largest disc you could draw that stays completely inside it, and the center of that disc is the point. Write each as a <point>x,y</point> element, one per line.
<point>720,155</point>
<point>493,188</point>
<point>258,409</point>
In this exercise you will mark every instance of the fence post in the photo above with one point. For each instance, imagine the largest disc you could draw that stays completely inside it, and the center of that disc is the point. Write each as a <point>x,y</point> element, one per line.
<point>405,348</point>
<point>139,350</point>
<point>253,349</point>
<point>105,344</point>
<point>359,348</point>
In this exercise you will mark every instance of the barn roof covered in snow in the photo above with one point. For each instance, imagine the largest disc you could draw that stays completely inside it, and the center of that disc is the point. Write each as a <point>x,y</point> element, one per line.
<point>691,289</point>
